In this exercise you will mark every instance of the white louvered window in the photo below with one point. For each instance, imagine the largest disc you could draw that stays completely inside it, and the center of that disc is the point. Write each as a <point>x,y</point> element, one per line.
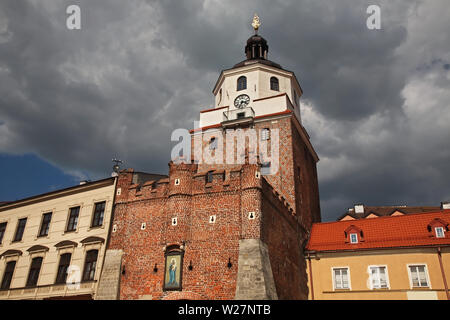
<point>265,134</point>
<point>418,276</point>
<point>341,279</point>
<point>378,277</point>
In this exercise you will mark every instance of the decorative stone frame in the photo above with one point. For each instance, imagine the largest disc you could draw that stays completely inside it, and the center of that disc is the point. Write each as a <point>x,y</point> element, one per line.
<point>173,250</point>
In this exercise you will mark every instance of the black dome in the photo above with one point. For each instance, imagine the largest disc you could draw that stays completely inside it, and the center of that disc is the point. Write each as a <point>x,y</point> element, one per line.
<point>257,51</point>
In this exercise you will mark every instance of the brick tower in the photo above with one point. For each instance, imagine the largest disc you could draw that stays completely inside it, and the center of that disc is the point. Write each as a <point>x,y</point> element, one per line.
<point>221,230</point>
<point>259,94</point>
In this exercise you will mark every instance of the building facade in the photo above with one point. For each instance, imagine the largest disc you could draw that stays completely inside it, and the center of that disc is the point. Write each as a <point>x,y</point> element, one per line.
<point>52,246</point>
<point>223,230</point>
<point>405,257</point>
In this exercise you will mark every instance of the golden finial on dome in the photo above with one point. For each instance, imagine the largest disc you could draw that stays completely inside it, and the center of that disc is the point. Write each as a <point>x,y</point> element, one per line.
<point>256,23</point>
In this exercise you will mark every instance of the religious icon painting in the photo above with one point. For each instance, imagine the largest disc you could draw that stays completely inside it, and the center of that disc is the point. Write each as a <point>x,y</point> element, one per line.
<point>172,274</point>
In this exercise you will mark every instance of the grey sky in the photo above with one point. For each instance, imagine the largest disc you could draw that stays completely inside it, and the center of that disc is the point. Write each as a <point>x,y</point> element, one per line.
<point>376,103</point>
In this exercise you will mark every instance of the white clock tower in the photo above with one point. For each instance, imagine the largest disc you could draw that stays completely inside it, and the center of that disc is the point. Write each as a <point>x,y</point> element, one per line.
<point>259,94</point>
<point>254,87</point>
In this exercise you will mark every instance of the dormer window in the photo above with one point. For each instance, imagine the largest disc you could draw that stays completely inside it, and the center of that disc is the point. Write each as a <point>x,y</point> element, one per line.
<point>274,84</point>
<point>437,228</point>
<point>241,83</point>
<point>439,232</point>
<point>353,235</point>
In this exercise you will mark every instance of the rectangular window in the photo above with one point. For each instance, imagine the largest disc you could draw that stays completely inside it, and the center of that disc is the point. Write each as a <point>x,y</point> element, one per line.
<point>73,219</point>
<point>213,144</point>
<point>265,168</point>
<point>378,277</point>
<point>45,225</point>
<point>89,265</point>
<point>35,269</point>
<point>341,280</point>
<point>353,238</point>
<point>99,212</point>
<point>7,276</point>
<point>418,276</point>
<point>439,232</point>
<point>64,262</point>
<point>20,229</point>
<point>2,231</point>
<point>265,134</point>
<point>209,177</point>
<point>240,115</point>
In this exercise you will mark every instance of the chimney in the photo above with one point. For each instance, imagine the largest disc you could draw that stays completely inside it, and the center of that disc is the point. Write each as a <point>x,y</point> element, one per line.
<point>359,208</point>
<point>445,205</point>
<point>83,182</point>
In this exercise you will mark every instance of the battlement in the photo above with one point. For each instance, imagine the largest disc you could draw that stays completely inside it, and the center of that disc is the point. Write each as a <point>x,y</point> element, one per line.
<point>185,179</point>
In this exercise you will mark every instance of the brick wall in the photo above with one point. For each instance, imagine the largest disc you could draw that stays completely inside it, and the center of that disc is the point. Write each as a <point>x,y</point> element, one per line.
<point>208,246</point>
<point>284,206</point>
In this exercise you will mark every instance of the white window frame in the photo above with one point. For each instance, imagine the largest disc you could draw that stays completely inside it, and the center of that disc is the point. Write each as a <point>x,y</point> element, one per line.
<point>351,239</point>
<point>388,285</point>
<point>265,134</point>
<point>436,232</point>
<point>213,143</point>
<point>427,276</point>
<point>334,279</point>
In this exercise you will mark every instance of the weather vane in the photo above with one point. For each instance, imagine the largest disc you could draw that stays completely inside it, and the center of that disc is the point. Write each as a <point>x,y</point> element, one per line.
<point>116,166</point>
<point>256,23</point>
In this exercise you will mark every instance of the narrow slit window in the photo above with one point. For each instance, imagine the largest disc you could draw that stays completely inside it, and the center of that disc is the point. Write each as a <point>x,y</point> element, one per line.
<point>209,177</point>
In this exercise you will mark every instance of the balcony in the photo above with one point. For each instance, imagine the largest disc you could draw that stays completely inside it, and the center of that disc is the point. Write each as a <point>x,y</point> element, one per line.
<point>48,291</point>
<point>237,117</point>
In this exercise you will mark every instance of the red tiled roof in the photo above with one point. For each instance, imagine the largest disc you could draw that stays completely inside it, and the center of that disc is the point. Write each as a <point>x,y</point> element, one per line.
<point>383,232</point>
<point>387,211</point>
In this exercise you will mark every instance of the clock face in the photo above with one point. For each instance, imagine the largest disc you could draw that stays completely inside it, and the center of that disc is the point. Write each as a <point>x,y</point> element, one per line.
<point>242,101</point>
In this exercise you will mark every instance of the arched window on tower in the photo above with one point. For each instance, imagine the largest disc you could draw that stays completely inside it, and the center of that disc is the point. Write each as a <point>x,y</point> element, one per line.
<point>274,84</point>
<point>242,83</point>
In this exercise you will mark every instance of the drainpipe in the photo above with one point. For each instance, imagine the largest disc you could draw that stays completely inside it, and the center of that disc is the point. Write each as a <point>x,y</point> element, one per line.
<point>311,277</point>
<point>443,273</point>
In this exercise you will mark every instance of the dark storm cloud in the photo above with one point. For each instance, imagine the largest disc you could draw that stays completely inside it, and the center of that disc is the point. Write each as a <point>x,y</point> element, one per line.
<point>375,102</point>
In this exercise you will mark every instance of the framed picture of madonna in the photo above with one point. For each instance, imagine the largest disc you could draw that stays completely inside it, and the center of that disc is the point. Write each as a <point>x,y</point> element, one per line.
<point>173,270</point>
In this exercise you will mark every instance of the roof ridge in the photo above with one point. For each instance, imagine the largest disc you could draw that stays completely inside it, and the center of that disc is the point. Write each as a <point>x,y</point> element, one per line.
<point>384,217</point>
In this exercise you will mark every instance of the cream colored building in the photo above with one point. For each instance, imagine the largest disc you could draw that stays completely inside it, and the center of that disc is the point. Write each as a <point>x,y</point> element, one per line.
<point>405,257</point>
<point>53,239</point>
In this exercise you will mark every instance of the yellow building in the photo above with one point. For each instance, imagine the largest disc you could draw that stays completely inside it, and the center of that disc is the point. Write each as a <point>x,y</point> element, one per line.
<point>385,258</point>
<point>52,245</point>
